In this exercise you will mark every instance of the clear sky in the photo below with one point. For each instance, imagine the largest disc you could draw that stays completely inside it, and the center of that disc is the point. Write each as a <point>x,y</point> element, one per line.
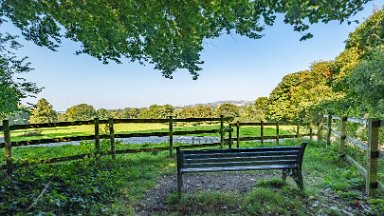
<point>236,68</point>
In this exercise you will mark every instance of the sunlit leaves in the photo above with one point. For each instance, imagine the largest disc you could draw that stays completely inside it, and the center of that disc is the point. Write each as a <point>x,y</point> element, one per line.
<point>168,34</point>
<point>13,87</point>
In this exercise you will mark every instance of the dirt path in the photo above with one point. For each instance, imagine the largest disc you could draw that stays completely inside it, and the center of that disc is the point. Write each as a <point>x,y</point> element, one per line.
<point>326,202</point>
<point>154,201</point>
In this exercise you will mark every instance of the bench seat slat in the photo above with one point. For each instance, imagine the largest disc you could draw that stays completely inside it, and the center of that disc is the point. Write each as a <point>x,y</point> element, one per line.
<point>259,149</point>
<point>288,159</point>
<point>237,168</point>
<point>239,154</point>
<point>237,158</point>
<point>240,163</point>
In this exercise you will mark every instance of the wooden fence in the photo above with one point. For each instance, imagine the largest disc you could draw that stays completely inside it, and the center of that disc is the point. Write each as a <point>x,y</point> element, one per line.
<point>371,147</point>
<point>7,145</point>
<point>262,137</point>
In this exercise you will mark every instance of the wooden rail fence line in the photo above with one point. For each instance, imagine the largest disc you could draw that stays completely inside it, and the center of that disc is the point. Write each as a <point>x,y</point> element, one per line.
<point>7,145</point>
<point>262,137</point>
<point>370,172</point>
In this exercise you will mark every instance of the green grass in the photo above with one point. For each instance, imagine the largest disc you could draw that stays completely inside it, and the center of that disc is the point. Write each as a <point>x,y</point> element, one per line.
<point>268,197</point>
<point>107,187</point>
<point>87,187</point>
<point>35,153</point>
<point>83,130</point>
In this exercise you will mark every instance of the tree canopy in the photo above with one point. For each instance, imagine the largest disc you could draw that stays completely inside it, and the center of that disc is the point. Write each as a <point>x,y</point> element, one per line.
<point>80,112</point>
<point>350,85</point>
<point>13,87</point>
<point>43,112</point>
<point>168,34</point>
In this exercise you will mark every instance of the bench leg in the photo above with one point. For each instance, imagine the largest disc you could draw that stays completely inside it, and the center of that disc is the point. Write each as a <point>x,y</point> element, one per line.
<point>298,177</point>
<point>179,183</point>
<point>285,174</point>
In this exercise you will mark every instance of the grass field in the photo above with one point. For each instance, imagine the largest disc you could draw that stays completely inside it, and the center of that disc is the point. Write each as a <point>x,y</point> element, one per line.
<point>107,187</point>
<point>45,133</point>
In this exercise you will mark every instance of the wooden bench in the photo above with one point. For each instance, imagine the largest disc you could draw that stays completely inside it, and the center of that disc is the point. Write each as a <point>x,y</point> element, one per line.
<point>288,159</point>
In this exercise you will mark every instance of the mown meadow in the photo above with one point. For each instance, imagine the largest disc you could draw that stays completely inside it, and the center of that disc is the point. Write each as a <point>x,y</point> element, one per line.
<point>82,130</point>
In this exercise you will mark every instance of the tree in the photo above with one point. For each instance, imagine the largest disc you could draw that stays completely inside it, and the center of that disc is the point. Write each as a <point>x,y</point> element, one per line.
<point>298,92</point>
<point>196,111</point>
<point>43,112</point>
<point>81,112</point>
<point>203,111</point>
<point>157,112</point>
<point>103,113</point>
<point>255,112</point>
<point>169,34</point>
<point>228,110</point>
<point>13,87</point>
<point>130,113</point>
<point>363,47</point>
<point>366,84</point>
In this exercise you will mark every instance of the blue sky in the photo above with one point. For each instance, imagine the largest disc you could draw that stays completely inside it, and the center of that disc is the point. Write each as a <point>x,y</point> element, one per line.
<point>236,68</point>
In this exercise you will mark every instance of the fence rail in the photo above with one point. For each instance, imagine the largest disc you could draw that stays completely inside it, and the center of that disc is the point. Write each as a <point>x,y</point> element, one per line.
<point>90,155</point>
<point>262,137</point>
<point>115,121</point>
<point>7,144</point>
<point>371,147</point>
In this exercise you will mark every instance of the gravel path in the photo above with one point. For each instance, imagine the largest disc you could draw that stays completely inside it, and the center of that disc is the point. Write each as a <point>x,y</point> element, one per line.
<point>325,202</point>
<point>154,202</point>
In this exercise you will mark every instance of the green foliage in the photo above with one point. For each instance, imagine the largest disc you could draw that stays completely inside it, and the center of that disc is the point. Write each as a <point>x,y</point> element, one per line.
<point>197,111</point>
<point>357,72</point>
<point>369,34</point>
<point>377,206</point>
<point>157,112</point>
<point>228,110</point>
<point>167,34</point>
<point>203,203</point>
<point>13,87</point>
<point>43,112</point>
<point>298,93</point>
<point>274,201</point>
<point>272,197</point>
<point>103,113</point>
<point>366,83</point>
<point>256,112</point>
<point>80,112</point>
<point>87,187</point>
<point>115,187</point>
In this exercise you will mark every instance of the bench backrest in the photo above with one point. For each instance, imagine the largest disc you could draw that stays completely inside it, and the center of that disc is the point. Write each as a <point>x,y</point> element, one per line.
<point>263,158</point>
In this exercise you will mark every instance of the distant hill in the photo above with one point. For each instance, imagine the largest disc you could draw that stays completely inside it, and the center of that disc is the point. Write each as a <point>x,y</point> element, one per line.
<point>218,103</point>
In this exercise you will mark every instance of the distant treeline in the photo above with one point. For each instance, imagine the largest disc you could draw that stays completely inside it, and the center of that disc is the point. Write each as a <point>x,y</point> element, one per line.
<point>43,112</point>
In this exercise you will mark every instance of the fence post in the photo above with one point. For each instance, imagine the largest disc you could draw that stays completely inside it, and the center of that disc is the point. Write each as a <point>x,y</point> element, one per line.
<point>320,127</point>
<point>97,136</point>
<point>262,132</point>
<point>170,136</point>
<point>297,129</point>
<point>373,155</point>
<point>221,131</point>
<point>329,132</point>
<point>8,147</point>
<point>237,134</point>
<point>112,138</point>
<point>230,136</point>
<point>277,133</point>
<point>343,136</point>
<point>310,131</point>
